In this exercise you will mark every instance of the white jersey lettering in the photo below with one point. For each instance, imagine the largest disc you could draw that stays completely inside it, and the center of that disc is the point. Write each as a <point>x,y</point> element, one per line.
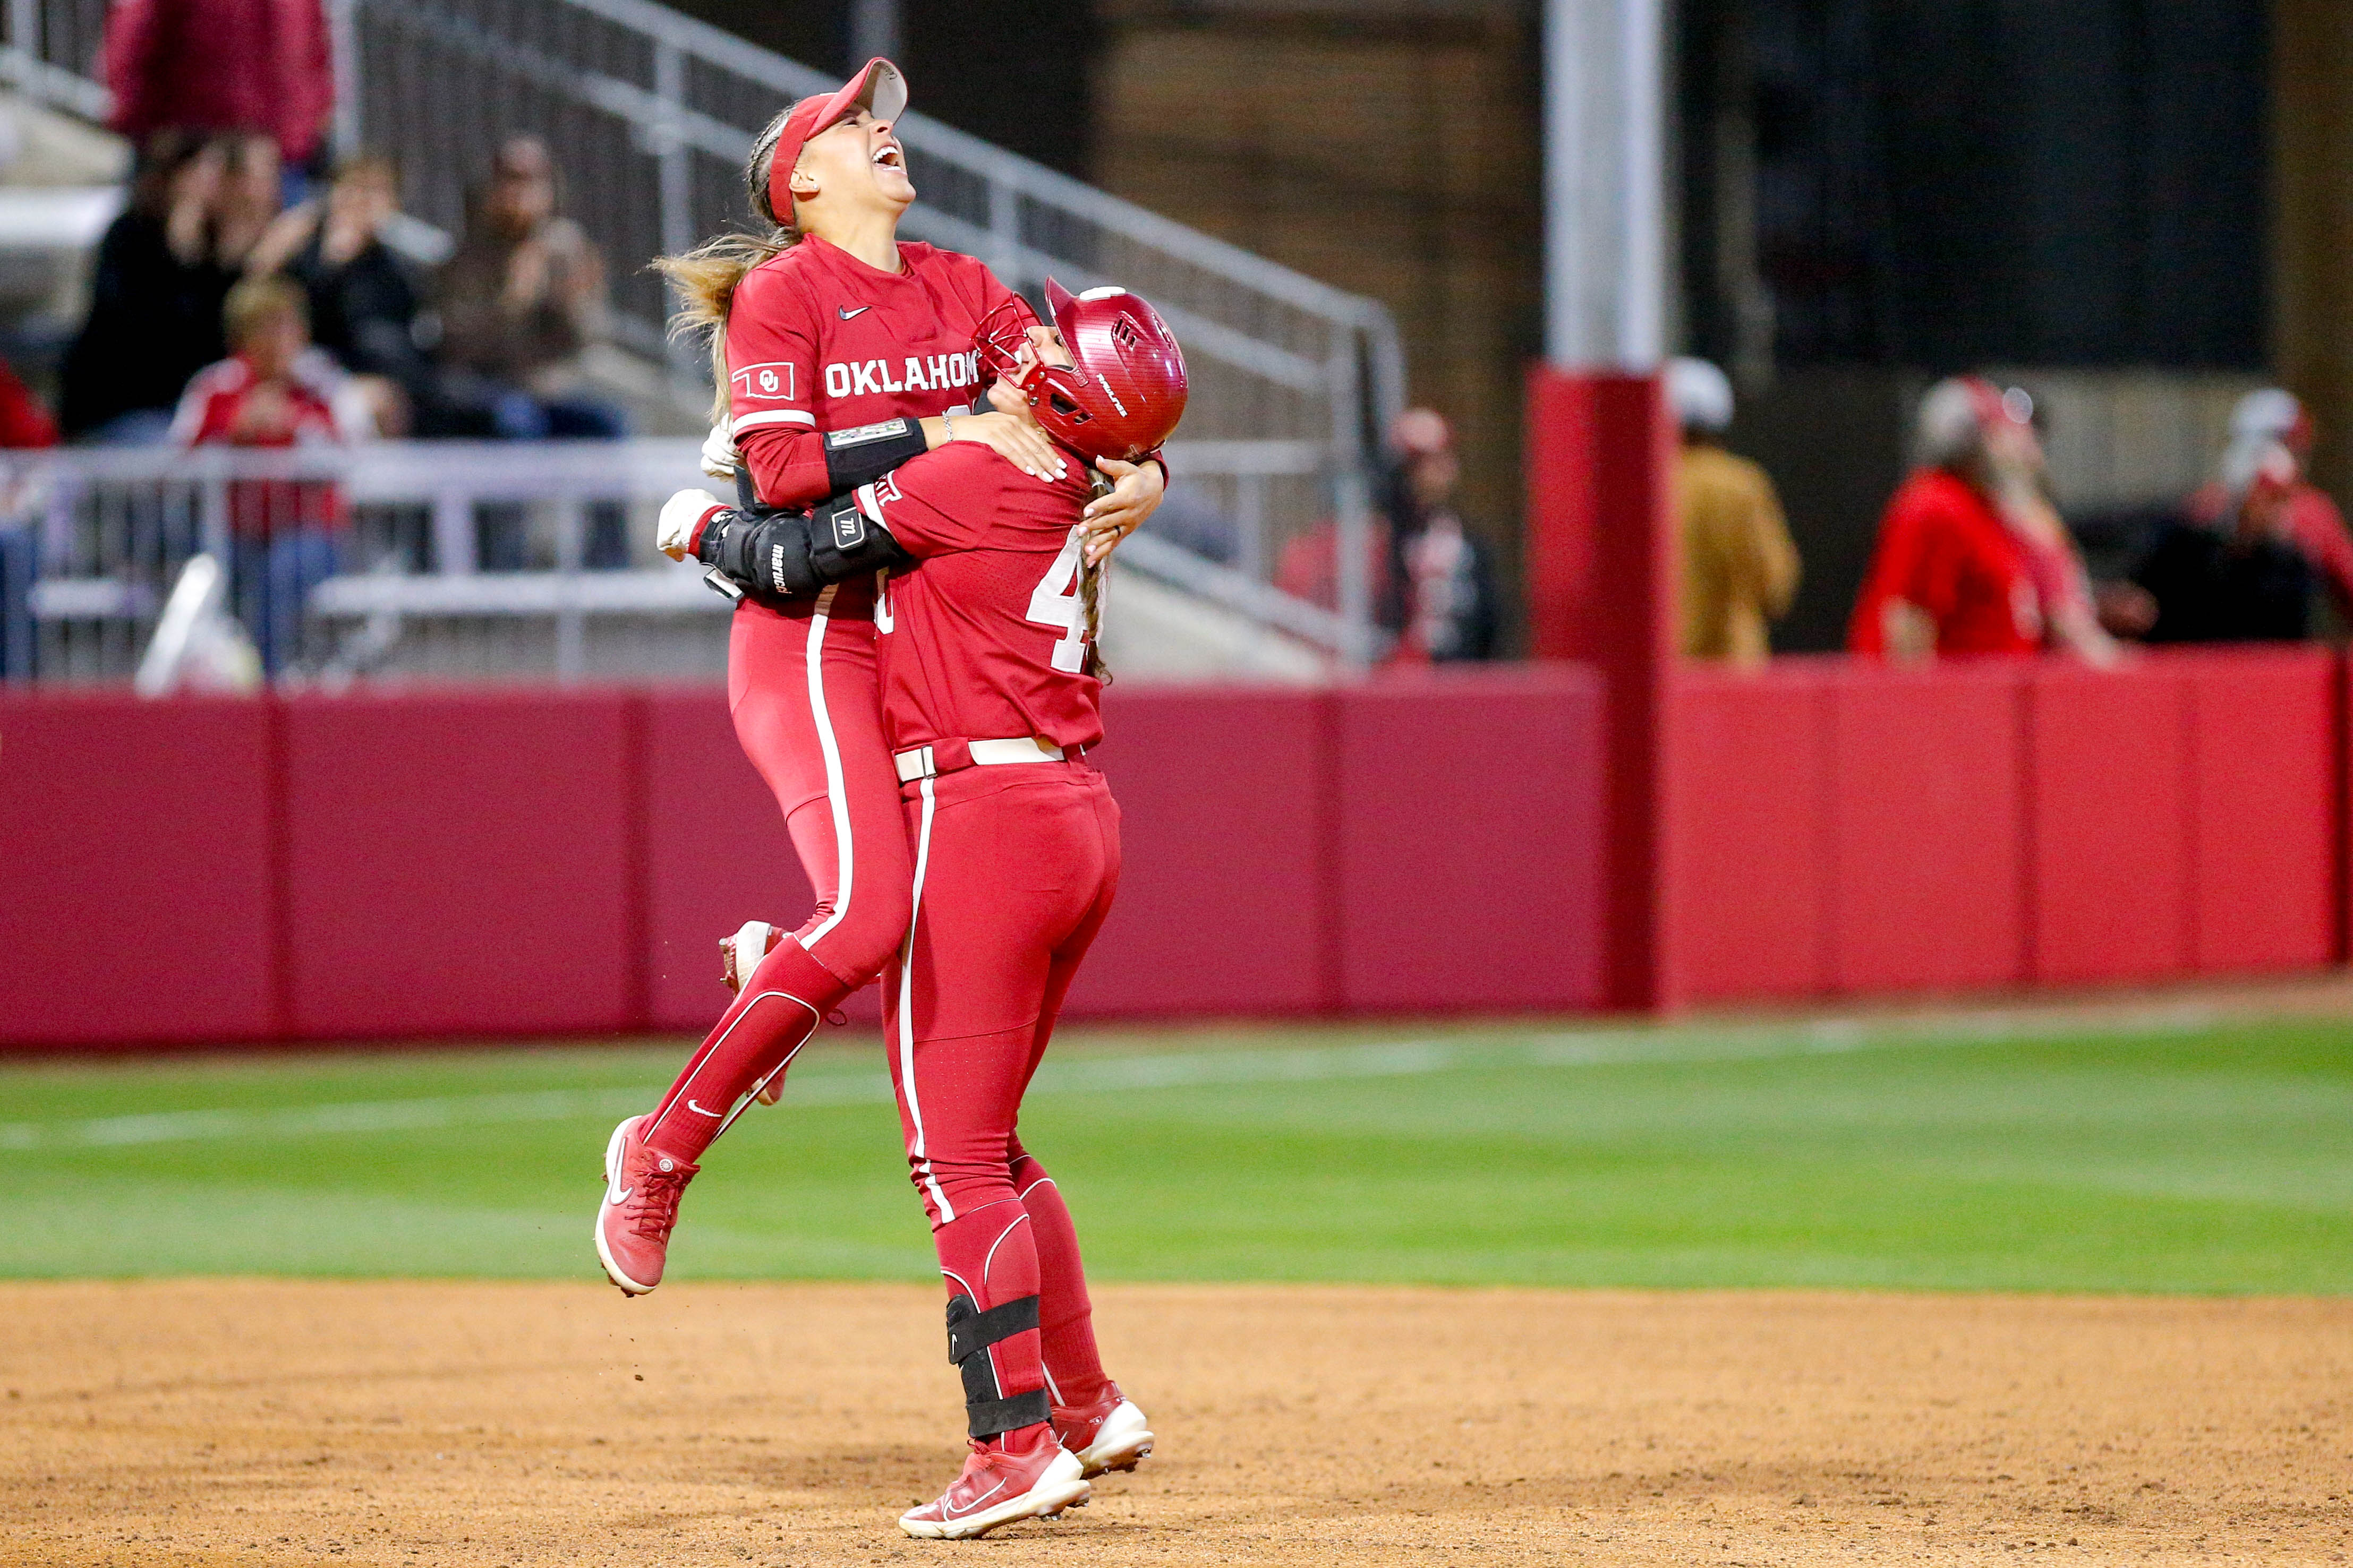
<point>837,380</point>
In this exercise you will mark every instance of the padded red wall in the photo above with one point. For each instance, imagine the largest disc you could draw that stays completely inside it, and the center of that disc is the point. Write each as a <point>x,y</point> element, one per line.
<point>716,855</point>
<point>1226,898</point>
<point>462,864</point>
<point>2109,830</point>
<point>1927,862</point>
<point>1469,844</point>
<point>2264,769</point>
<point>136,872</point>
<point>1748,850</point>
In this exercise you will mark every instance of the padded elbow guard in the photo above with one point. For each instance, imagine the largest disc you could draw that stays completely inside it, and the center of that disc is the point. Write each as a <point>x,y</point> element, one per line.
<point>845,543</point>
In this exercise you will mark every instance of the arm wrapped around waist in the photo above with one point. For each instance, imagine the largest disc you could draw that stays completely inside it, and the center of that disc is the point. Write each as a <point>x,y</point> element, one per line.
<point>790,555</point>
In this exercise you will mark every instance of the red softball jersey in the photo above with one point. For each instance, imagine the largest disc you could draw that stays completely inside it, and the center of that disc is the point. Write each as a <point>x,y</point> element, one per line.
<point>1942,547</point>
<point>986,638</point>
<point>820,343</point>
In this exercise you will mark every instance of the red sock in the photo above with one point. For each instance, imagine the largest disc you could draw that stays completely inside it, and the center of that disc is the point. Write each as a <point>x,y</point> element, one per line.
<point>1066,1318</point>
<point>770,1019</point>
<point>986,1254</point>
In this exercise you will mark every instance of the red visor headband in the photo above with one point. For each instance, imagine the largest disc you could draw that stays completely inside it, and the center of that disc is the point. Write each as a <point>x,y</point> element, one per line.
<point>879,85</point>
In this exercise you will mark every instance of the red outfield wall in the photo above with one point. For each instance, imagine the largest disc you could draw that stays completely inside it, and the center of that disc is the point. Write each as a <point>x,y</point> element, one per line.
<point>1836,828</point>
<point>508,863</point>
<point>504,863</point>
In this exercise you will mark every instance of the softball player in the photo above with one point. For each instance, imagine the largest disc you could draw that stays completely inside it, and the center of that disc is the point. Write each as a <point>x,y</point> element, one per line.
<point>841,354</point>
<point>990,694</point>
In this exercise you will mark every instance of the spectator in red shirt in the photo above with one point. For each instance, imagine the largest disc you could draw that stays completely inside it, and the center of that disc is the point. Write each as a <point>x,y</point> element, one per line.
<point>286,536</point>
<point>262,65</point>
<point>1949,576</point>
<point>1973,557</point>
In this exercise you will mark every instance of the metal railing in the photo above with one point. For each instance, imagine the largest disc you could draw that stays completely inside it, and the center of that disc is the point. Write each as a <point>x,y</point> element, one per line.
<point>651,115</point>
<point>420,560</point>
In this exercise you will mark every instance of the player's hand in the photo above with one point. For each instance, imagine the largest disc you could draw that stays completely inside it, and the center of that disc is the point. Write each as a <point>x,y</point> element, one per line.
<point>1017,441</point>
<point>681,520</point>
<point>719,457</point>
<point>1135,495</point>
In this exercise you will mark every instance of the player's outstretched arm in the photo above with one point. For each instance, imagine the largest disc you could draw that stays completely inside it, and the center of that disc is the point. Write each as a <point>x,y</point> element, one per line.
<point>777,555</point>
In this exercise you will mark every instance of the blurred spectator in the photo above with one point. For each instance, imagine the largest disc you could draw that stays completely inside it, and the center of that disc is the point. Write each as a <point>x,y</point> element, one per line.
<point>1445,610</point>
<point>286,536</point>
<point>23,423</point>
<point>364,301</point>
<point>1740,566</point>
<point>1972,557</point>
<point>2315,523</point>
<point>520,300</point>
<point>251,195</point>
<point>2242,577</point>
<point>212,65</point>
<point>1429,583</point>
<point>155,298</point>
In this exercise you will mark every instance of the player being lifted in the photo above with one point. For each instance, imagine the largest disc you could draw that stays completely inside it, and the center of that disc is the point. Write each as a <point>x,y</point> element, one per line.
<point>841,353</point>
<point>990,698</point>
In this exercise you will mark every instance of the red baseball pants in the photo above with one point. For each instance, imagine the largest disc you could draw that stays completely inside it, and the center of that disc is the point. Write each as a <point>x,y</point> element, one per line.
<point>1015,870</point>
<point>807,708</point>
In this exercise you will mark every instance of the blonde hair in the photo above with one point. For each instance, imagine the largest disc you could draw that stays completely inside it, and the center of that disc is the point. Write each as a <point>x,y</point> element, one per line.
<point>257,299</point>
<point>706,278</point>
<point>1091,591</point>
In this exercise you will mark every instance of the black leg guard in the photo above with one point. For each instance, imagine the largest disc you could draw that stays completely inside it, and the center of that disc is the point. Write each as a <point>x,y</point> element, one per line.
<point>988,1410</point>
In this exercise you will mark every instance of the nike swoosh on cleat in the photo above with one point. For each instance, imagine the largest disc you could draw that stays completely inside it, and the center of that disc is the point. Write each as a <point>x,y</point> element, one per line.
<point>715,1115</point>
<point>849,315</point>
<point>950,1509</point>
<point>617,1196</point>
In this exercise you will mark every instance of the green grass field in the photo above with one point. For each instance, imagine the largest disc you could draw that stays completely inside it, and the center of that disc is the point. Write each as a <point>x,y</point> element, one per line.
<point>2165,1154</point>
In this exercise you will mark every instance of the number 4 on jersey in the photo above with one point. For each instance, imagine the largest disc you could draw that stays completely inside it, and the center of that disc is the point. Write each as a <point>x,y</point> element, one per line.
<point>1055,602</point>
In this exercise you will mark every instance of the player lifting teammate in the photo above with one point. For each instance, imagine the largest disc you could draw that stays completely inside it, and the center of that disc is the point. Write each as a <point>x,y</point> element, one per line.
<point>990,693</point>
<point>841,354</point>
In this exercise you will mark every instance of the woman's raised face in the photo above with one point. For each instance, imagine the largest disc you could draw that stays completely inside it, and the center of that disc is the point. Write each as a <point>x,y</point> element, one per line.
<point>859,160</point>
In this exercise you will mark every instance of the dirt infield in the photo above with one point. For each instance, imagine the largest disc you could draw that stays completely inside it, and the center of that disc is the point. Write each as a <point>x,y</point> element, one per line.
<point>260,1421</point>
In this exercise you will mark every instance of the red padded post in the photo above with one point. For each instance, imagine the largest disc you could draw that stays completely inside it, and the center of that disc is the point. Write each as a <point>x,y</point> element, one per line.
<point>1602,591</point>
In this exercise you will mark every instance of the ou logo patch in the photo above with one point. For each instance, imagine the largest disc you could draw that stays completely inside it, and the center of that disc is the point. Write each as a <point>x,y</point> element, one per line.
<point>767,381</point>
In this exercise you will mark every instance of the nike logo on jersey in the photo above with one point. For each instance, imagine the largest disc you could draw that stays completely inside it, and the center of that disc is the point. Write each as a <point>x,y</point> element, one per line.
<point>847,314</point>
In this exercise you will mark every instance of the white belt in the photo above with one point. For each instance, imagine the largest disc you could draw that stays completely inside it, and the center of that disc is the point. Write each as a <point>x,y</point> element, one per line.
<point>925,762</point>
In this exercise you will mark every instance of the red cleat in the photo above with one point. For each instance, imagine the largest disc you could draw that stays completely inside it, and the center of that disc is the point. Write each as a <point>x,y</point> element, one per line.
<point>642,1187</point>
<point>997,1487</point>
<point>1109,1435</point>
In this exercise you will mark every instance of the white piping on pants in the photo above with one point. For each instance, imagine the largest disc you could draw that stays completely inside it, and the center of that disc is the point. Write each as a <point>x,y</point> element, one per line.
<point>845,860</point>
<point>907,1014</point>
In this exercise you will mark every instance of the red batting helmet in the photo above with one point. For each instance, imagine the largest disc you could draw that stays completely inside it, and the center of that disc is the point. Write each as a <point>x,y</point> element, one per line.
<point>1124,390</point>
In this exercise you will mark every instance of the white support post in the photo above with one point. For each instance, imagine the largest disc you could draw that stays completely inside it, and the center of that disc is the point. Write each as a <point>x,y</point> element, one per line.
<point>1352,505</point>
<point>874,30</point>
<point>344,46</point>
<point>1605,198</point>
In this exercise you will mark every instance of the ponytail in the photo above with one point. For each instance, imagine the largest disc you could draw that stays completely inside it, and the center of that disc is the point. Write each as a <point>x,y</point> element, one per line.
<point>1091,582</point>
<point>706,277</point>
